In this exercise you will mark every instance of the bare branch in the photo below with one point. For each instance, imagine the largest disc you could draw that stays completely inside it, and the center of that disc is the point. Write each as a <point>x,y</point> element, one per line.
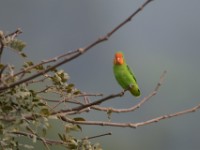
<point>79,108</point>
<point>80,51</point>
<point>132,124</point>
<point>190,110</point>
<point>44,140</point>
<point>14,34</point>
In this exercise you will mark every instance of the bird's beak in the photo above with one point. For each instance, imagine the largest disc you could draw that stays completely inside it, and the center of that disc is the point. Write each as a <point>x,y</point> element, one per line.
<point>119,60</point>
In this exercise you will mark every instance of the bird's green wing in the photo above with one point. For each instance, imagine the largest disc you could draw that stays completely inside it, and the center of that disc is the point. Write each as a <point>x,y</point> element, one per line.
<point>131,72</point>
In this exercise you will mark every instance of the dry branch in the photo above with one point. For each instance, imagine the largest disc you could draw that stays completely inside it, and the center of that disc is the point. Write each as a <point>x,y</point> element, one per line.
<point>132,124</point>
<point>76,53</point>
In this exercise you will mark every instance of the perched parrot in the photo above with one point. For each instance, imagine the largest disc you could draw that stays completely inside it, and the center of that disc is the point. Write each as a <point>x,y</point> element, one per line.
<point>124,76</point>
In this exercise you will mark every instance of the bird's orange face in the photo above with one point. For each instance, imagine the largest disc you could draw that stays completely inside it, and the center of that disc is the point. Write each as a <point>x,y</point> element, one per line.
<point>118,59</point>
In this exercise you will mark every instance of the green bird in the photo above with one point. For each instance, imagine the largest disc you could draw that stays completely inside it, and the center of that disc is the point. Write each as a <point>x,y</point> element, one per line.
<point>124,76</point>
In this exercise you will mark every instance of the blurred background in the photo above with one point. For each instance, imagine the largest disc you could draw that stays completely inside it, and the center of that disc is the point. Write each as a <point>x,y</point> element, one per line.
<point>164,36</point>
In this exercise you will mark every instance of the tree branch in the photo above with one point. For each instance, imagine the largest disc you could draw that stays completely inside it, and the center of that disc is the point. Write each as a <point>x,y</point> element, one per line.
<point>132,124</point>
<point>79,108</point>
<point>79,51</point>
<point>44,140</point>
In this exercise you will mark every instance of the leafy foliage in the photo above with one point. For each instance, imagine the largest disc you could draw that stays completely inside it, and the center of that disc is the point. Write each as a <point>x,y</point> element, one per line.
<point>25,109</point>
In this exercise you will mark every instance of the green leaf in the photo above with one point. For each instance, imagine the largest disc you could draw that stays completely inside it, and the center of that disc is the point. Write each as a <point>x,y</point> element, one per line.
<point>1,128</point>
<point>77,92</point>
<point>1,66</point>
<point>97,146</point>
<point>70,85</point>
<point>35,99</point>
<point>17,44</point>
<point>41,104</point>
<point>79,119</point>
<point>39,67</point>
<point>109,113</point>
<point>72,127</point>
<point>7,109</point>
<point>23,55</point>
<point>79,127</point>
<point>30,63</point>
<point>72,146</point>
<point>45,112</point>
<point>60,136</point>
<point>44,132</point>
<point>53,69</point>
<point>63,75</point>
<point>69,90</point>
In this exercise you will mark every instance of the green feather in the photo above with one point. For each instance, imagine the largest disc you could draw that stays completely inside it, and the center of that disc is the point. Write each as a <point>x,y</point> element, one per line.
<point>126,78</point>
<point>131,72</point>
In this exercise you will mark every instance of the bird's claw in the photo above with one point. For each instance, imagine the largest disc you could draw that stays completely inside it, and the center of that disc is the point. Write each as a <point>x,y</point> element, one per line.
<point>129,87</point>
<point>123,92</point>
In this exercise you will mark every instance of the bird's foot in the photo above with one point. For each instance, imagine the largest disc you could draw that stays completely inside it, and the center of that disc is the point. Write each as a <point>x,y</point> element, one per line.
<point>129,87</point>
<point>123,92</point>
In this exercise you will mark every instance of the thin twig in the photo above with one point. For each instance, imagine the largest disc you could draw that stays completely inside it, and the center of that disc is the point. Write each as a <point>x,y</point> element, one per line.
<point>97,136</point>
<point>14,34</point>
